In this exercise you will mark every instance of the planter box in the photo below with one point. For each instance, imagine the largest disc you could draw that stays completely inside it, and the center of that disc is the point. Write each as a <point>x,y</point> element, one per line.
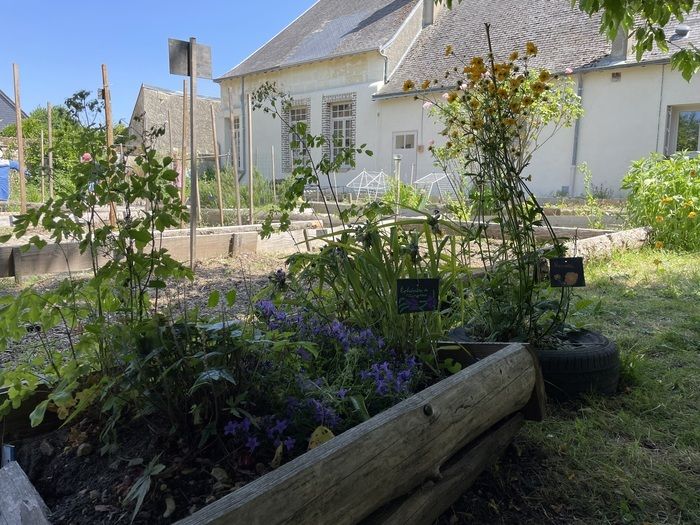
<point>407,464</point>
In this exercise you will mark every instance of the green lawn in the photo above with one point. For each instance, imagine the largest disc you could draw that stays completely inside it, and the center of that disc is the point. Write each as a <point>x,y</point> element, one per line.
<point>632,458</point>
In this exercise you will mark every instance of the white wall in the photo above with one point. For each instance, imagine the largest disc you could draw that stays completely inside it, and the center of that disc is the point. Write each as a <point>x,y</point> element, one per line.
<point>626,120</point>
<point>623,121</point>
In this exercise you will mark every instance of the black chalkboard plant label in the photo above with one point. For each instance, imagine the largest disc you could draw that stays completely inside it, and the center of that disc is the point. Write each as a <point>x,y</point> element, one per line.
<point>566,272</point>
<point>417,295</point>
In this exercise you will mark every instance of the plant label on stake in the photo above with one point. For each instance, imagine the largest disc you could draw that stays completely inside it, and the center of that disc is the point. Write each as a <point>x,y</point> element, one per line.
<point>417,295</point>
<point>566,272</point>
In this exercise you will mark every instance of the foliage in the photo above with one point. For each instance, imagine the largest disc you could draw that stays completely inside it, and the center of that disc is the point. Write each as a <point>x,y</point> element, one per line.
<point>354,277</point>
<point>263,194</point>
<point>594,211</point>
<point>665,194</point>
<point>495,117</point>
<point>72,124</point>
<point>408,196</point>
<point>129,269</point>
<point>644,20</point>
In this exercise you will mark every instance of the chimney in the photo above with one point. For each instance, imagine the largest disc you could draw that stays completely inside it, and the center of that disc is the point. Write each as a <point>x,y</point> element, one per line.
<point>428,12</point>
<point>619,46</point>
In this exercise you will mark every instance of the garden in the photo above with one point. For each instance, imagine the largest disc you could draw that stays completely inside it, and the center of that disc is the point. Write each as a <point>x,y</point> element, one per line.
<point>380,375</point>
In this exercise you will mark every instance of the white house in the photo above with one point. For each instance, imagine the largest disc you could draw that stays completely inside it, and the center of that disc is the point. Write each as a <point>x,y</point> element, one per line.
<point>344,63</point>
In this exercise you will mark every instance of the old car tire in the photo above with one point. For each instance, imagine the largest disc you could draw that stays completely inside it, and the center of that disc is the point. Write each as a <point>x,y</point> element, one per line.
<point>590,362</point>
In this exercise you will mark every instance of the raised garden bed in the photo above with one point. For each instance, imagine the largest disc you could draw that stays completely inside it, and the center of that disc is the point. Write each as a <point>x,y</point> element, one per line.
<point>407,463</point>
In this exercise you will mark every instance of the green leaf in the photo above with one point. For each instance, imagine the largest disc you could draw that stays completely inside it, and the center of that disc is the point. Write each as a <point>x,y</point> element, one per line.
<point>211,376</point>
<point>213,299</point>
<point>37,415</point>
<point>230,298</point>
<point>358,403</point>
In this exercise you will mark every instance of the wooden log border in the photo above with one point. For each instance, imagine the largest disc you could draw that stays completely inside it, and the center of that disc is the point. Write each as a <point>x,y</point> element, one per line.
<point>346,479</point>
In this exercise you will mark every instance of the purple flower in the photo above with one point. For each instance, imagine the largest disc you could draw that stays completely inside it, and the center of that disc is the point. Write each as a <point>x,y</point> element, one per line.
<point>381,387</point>
<point>231,428</point>
<point>252,444</point>
<point>304,354</point>
<point>322,414</point>
<point>245,425</point>
<point>342,393</point>
<point>289,443</point>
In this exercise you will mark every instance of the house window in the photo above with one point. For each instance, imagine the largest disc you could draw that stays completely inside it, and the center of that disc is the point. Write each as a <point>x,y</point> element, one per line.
<point>683,133</point>
<point>688,135</point>
<point>404,142</point>
<point>342,120</point>
<point>299,112</point>
<point>339,128</point>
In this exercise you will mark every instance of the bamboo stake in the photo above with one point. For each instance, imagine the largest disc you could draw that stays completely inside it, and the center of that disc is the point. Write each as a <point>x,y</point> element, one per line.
<point>234,161</point>
<point>216,166</point>
<point>20,142</point>
<point>110,134</point>
<point>43,169</point>
<point>49,111</point>
<point>274,184</point>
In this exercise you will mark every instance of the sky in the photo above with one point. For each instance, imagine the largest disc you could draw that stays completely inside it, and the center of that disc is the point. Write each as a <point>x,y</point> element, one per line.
<point>60,45</point>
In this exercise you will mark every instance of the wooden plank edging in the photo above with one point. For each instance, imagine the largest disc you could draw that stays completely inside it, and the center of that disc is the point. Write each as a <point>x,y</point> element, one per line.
<point>347,478</point>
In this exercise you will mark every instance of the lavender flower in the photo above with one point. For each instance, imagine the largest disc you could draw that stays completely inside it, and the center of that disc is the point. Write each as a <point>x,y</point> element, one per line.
<point>342,393</point>
<point>289,443</point>
<point>252,444</point>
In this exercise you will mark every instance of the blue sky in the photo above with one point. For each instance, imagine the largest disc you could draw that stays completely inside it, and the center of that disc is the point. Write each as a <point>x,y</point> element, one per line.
<point>61,44</point>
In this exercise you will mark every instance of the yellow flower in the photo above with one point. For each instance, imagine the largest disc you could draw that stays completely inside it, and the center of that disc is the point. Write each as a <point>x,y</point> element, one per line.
<point>667,200</point>
<point>513,56</point>
<point>658,245</point>
<point>544,75</point>
<point>408,85</point>
<point>530,49</point>
<point>693,173</point>
<point>477,61</point>
<point>692,215</point>
<point>514,106</point>
<point>538,88</point>
<point>425,84</point>
<point>452,97</point>
<point>509,122</point>
<point>502,92</point>
<point>448,51</point>
<point>688,204</point>
<point>474,103</point>
<point>527,100</point>
<point>659,218</point>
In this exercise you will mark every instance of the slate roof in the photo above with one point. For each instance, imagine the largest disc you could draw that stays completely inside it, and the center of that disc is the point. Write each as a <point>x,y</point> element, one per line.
<point>328,29</point>
<point>7,111</point>
<point>154,102</point>
<point>565,36</point>
<point>675,43</point>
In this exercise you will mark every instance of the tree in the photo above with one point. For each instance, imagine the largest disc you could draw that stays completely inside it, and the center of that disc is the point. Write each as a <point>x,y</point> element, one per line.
<point>645,20</point>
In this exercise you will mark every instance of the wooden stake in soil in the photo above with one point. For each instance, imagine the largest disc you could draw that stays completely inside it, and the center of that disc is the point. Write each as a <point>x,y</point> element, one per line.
<point>49,112</point>
<point>43,169</point>
<point>216,166</point>
<point>20,142</point>
<point>274,184</point>
<point>183,150</point>
<point>249,121</point>
<point>110,134</point>
<point>234,161</point>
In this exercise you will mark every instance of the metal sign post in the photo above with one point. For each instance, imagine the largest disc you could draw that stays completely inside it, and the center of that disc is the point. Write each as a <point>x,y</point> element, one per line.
<point>192,60</point>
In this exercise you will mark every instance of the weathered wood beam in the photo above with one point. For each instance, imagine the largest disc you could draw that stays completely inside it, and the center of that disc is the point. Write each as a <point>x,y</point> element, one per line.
<point>434,497</point>
<point>344,480</point>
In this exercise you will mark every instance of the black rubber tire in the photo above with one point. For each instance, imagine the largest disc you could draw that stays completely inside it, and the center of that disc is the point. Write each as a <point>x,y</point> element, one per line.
<point>591,364</point>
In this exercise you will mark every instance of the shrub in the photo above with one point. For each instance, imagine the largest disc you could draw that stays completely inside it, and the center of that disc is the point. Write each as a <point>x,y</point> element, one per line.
<point>665,194</point>
<point>408,196</point>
